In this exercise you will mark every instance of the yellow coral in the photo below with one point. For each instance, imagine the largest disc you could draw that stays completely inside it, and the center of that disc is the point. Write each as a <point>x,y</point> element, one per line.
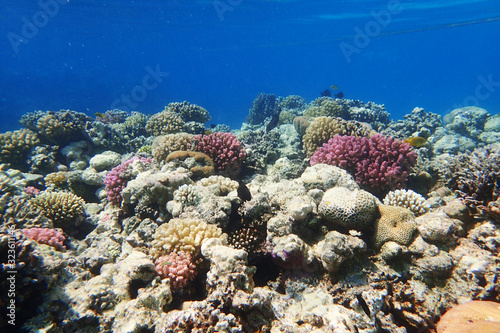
<point>395,224</point>
<point>63,208</point>
<point>183,234</point>
<point>14,145</point>
<point>324,128</point>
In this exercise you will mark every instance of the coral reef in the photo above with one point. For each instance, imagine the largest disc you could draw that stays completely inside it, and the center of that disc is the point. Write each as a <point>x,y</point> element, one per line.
<point>395,224</point>
<point>199,164</point>
<point>15,146</point>
<point>165,144</point>
<point>263,106</point>
<point>225,150</point>
<point>380,164</point>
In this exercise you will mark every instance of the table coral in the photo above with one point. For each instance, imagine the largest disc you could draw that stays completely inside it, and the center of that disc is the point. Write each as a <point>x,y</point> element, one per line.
<point>379,163</point>
<point>225,150</point>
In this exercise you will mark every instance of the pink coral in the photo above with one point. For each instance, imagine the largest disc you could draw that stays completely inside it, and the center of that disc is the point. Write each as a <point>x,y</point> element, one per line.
<point>117,179</point>
<point>47,236</point>
<point>225,150</point>
<point>31,191</point>
<point>178,267</point>
<point>379,163</point>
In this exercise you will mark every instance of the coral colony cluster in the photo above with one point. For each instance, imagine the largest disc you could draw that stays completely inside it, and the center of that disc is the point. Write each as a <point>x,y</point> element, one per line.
<point>312,217</point>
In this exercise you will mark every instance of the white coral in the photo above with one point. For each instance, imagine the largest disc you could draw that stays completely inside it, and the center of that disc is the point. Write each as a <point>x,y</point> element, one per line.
<point>187,194</point>
<point>407,199</point>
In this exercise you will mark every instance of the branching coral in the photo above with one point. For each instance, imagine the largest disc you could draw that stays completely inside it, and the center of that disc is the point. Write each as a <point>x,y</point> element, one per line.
<point>476,176</point>
<point>165,122</point>
<point>14,146</point>
<point>178,267</point>
<point>379,163</point>
<point>65,209</point>
<point>189,112</point>
<point>47,236</point>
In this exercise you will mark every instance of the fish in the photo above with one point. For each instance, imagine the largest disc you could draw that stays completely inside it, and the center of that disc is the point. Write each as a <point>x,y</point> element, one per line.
<point>334,87</point>
<point>416,141</point>
<point>208,132</point>
<point>99,115</point>
<point>243,191</point>
<point>212,125</point>
<point>326,93</point>
<point>340,95</point>
<point>273,122</point>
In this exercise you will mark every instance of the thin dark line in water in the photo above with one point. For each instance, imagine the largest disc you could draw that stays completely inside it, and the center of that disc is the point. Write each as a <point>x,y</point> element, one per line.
<point>350,37</point>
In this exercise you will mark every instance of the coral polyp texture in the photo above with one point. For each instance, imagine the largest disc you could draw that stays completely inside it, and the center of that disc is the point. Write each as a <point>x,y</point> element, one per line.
<point>183,234</point>
<point>178,267</point>
<point>47,236</point>
<point>378,163</point>
<point>408,199</point>
<point>165,122</point>
<point>225,150</point>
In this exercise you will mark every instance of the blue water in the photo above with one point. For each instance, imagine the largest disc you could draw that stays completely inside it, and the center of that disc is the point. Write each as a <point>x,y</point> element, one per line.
<point>89,55</point>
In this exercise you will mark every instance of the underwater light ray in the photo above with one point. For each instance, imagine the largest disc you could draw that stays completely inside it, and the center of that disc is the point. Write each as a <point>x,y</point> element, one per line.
<point>350,37</point>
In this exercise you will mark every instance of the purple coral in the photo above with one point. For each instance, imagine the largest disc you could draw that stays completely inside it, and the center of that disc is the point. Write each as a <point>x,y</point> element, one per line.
<point>379,163</point>
<point>178,267</point>
<point>225,150</point>
<point>47,236</point>
<point>117,179</point>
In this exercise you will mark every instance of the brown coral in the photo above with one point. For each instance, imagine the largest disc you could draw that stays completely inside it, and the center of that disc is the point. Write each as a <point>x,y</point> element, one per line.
<point>15,145</point>
<point>165,144</point>
<point>189,112</point>
<point>165,122</point>
<point>324,128</point>
<point>204,166</point>
<point>395,224</point>
<point>65,209</point>
<point>326,107</point>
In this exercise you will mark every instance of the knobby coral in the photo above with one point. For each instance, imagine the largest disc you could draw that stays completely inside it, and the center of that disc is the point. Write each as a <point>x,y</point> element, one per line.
<point>379,163</point>
<point>47,236</point>
<point>225,150</point>
<point>63,208</point>
<point>178,267</point>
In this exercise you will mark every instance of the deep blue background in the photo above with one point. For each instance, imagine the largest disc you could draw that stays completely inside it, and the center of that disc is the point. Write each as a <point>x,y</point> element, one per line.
<point>91,52</point>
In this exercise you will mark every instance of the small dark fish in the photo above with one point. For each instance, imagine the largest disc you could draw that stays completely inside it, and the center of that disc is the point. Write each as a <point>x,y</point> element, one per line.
<point>339,95</point>
<point>243,191</point>
<point>212,125</point>
<point>363,304</point>
<point>326,93</point>
<point>273,122</point>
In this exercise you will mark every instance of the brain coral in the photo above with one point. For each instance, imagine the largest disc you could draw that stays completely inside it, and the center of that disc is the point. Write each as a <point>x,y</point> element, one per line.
<point>65,209</point>
<point>183,234</point>
<point>199,164</point>
<point>165,122</point>
<point>353,209</point>
<point>395,224</point>
<point>225,150</point>
<point>14,146</point>
<point>380,164</point>
<point>189,112</point>
<point>324,128</point>
<point>407,199</point>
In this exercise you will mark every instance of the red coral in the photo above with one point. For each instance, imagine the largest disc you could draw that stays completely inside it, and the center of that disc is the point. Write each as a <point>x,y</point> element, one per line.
<point>178,267</point>
<point>47,236</point>
<point>225,150</point>
<point>379,163</point>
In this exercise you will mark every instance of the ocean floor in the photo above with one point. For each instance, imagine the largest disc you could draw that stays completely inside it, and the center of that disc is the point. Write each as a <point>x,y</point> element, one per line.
<point>312,217</point>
